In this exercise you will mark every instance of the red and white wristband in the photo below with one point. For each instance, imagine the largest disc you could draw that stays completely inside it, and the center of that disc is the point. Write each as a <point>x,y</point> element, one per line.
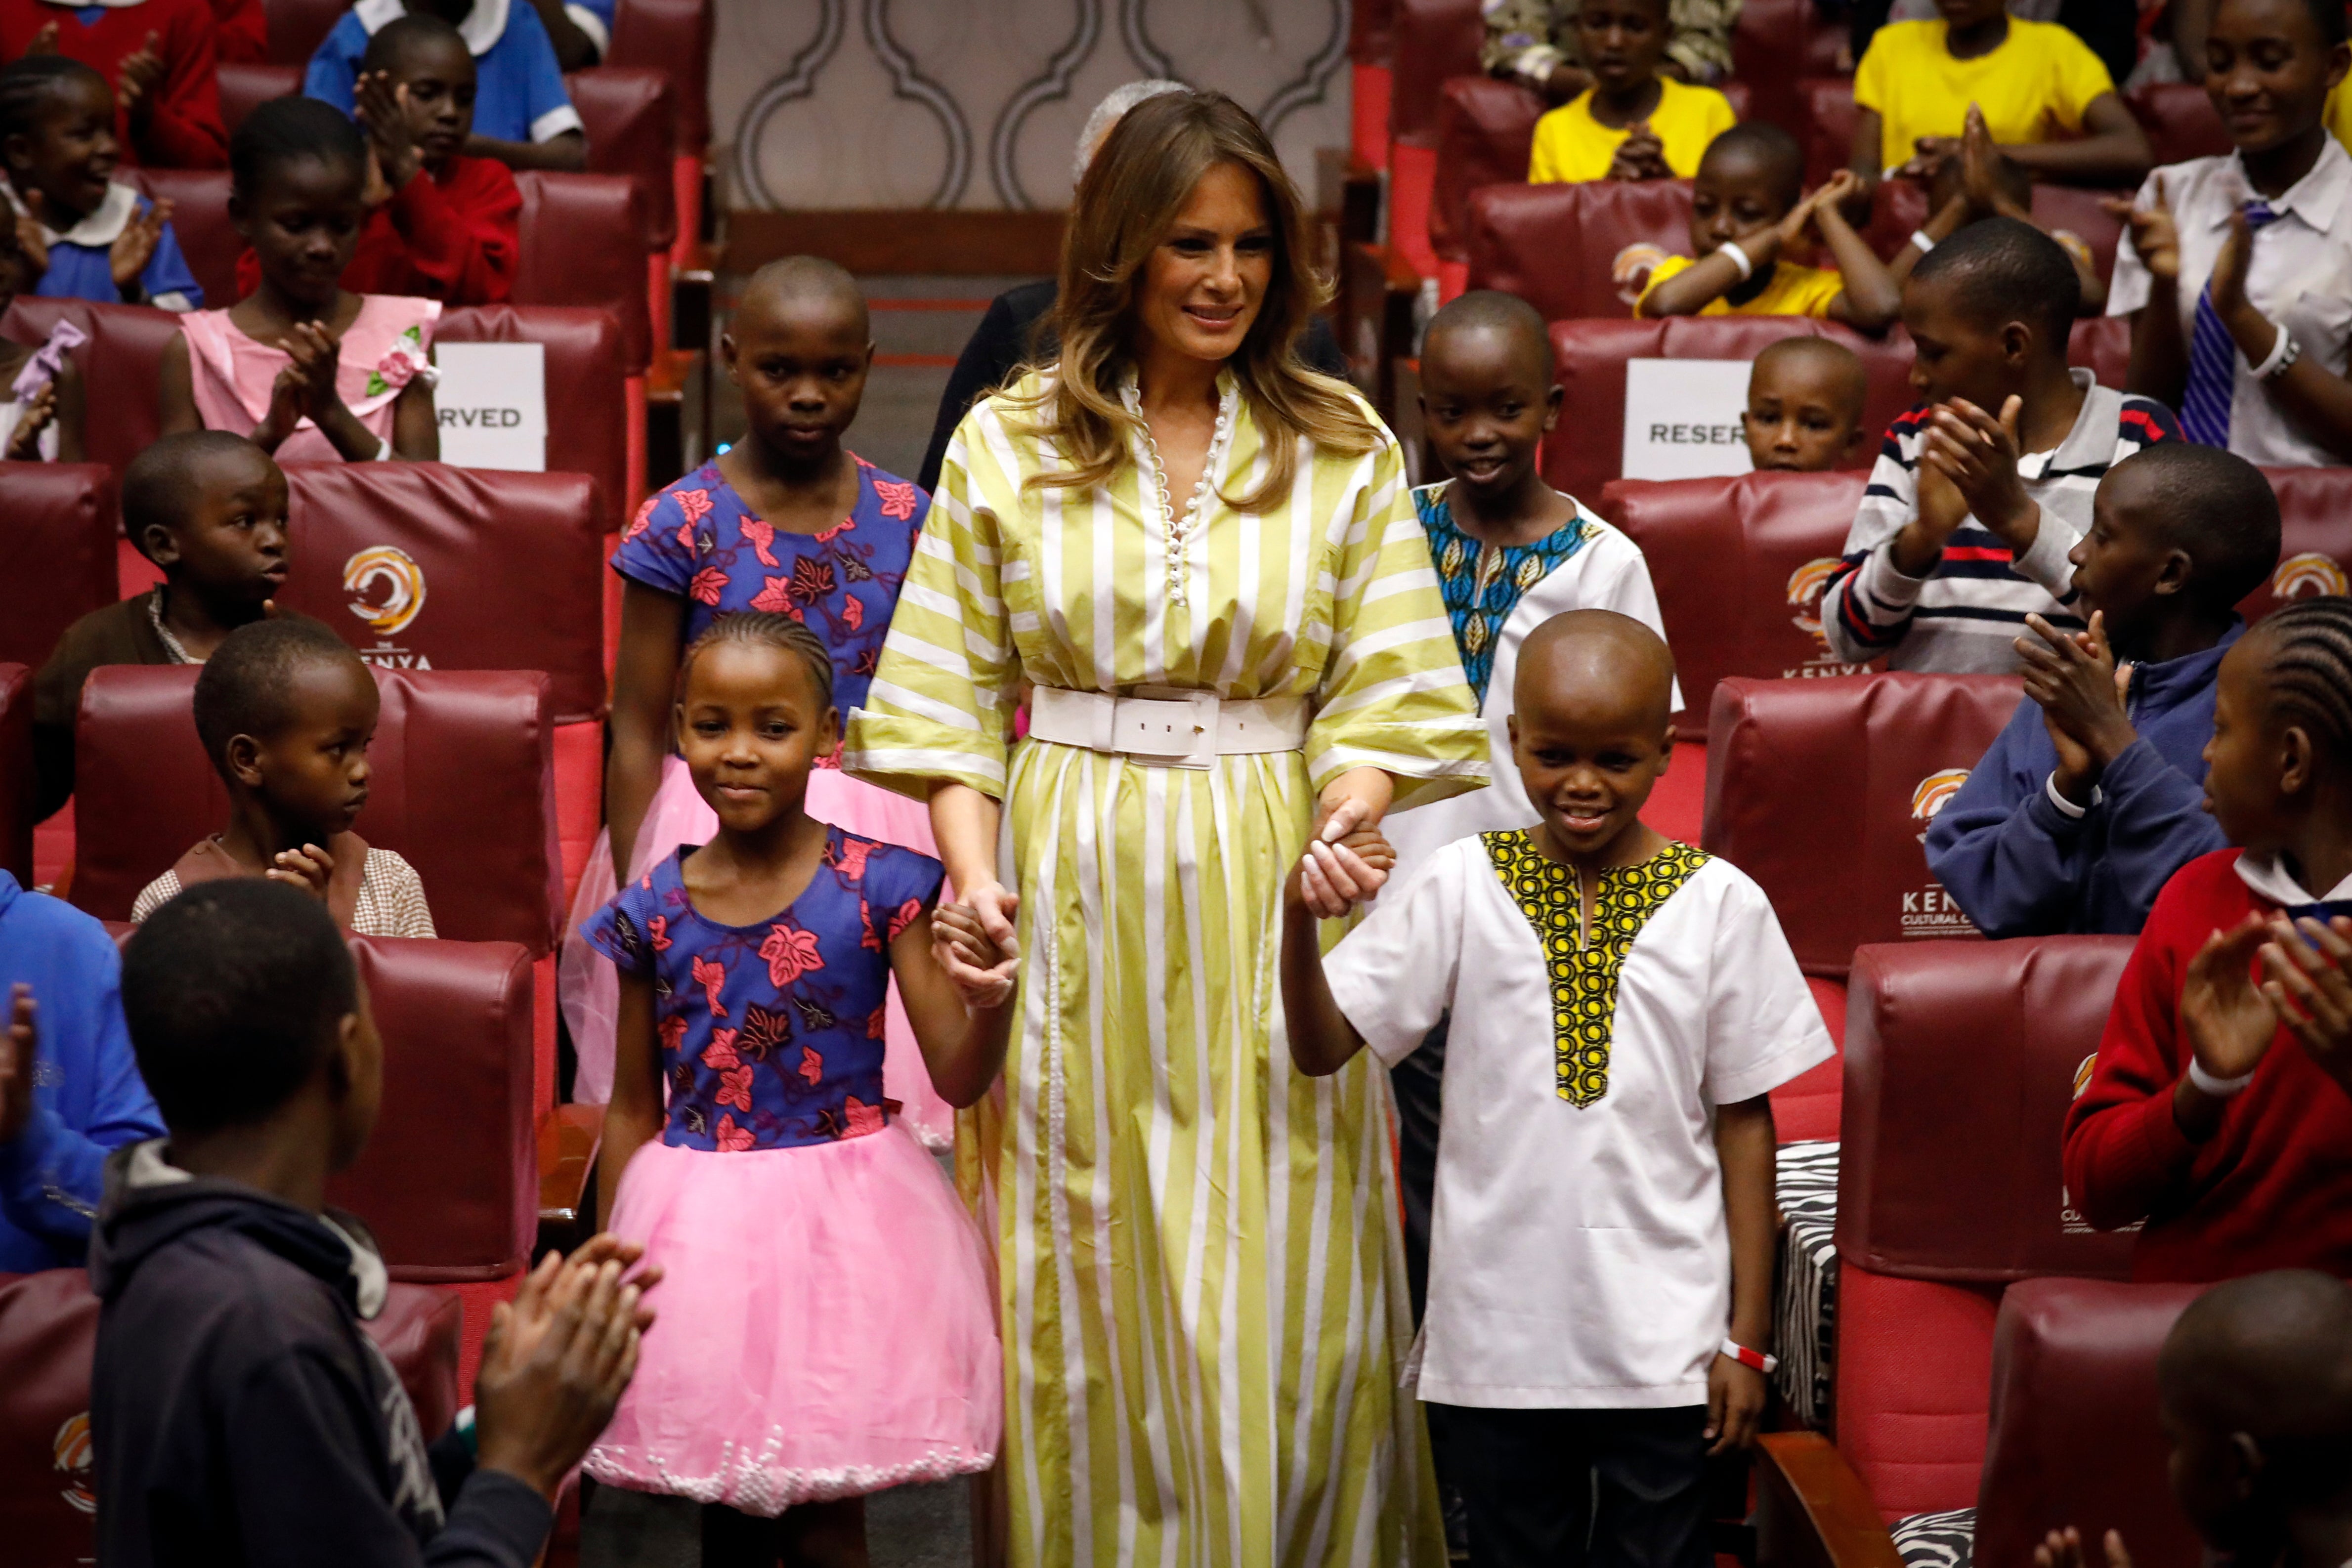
<point>1767,1365</point>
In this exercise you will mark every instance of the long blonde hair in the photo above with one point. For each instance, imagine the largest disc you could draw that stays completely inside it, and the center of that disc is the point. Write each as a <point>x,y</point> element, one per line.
<point>1127,202</point>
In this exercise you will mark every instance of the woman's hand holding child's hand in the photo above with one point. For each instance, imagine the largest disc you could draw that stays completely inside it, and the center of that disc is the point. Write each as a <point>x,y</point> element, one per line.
<point>958,934</point>
<point>309,868</point>
<point>1735,1404</point>
<point>1344,864</point>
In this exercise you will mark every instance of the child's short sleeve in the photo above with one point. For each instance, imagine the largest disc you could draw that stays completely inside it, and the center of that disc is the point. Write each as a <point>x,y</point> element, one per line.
<point>1763,1025</point>
<point>1870,76</point>
<point>1669,267</point>
<point>170,282</point>
<point>627,930</point>
<point>657,548</point>
<point>335,67</point>
<point>901,884</point>
<point>1394,976</point>
<point>2077,74</point>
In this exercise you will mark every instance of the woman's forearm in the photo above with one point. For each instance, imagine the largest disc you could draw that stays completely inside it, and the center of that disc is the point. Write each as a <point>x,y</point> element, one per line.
<point>964,825</point>
<point>1373,786</point>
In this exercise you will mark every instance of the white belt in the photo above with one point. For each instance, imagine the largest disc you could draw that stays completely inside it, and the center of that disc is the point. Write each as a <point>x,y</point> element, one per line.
<point>1165,728</point>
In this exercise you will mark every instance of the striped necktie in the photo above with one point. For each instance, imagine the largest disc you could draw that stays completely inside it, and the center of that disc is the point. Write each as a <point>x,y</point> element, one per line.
<point>2213,358</point>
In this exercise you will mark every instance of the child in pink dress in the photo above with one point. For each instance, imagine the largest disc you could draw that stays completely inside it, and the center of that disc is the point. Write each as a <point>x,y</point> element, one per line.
<point>788,521</point>
<point>831,1327</point>
<point>310,372</point>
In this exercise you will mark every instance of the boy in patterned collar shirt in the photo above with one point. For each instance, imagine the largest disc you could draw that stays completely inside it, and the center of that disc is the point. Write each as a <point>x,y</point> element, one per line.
<point>1600,1264</point>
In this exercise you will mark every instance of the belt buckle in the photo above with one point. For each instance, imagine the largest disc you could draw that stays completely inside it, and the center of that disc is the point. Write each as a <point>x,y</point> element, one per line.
<point>1177,729</point>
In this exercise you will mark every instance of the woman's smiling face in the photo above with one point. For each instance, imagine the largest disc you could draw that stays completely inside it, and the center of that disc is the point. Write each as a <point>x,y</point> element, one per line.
<point>1206,280</point>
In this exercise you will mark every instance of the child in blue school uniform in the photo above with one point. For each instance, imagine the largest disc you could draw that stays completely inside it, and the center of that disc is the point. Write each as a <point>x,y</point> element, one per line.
<point>522,115</point>
<point>86,236</point>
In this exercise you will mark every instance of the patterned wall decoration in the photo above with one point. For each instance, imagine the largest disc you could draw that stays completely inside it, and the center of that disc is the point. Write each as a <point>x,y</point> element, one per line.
<point>978,103</point>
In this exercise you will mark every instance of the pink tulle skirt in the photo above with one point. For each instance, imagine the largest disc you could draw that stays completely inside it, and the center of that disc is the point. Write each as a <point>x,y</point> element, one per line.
<point>590,989</point>
<point>797,1357</point>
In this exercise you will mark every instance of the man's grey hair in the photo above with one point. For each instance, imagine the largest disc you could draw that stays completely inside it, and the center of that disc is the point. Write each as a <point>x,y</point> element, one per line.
<point>1110,111</point>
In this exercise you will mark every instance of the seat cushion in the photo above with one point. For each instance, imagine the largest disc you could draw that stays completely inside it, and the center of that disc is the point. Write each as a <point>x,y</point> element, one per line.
<point>57,553</point>
<point>2315,538</point>
<point>1914,1372</point>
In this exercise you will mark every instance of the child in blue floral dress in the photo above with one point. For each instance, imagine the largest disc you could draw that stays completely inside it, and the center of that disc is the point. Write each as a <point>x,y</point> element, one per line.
<point>838,1333</point>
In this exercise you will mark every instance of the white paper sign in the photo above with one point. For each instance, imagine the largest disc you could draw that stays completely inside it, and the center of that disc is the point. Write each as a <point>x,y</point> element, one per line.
<point>492,404</point>
<point>1684,419</point>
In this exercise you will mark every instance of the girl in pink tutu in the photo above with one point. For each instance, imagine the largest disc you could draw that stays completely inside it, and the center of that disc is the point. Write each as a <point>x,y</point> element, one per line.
<point>788,520</point>
<point>838,1335</point>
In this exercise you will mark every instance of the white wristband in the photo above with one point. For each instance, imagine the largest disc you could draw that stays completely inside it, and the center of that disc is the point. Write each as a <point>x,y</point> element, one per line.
<point>2284,353</point>
<point>1739,258</point>
<point>2219,1088</point>
<point>1920,240</point>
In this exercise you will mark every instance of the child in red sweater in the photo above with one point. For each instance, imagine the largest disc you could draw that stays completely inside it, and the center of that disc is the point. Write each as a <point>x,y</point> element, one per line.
<point>158,55</point>
<point>2219,1111</point>
<point>441,224</point>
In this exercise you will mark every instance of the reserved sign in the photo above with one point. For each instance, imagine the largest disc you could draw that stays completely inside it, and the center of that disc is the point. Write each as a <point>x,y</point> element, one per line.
<point>1684,419</point>
<point>492,404</point>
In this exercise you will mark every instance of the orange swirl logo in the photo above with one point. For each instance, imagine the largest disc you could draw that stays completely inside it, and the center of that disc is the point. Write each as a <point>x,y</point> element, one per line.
<point>1934,791</point>
<point>71,1447</point>
<point>1631,271</point>
<point>2308,574</point>
<point>1805,585</point>
<point>381,571</point>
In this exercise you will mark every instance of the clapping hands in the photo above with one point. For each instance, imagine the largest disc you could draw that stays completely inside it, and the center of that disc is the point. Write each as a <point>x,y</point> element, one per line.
<point>305,388</point>
<point>2231,1020</point>
<point>2081,687</point>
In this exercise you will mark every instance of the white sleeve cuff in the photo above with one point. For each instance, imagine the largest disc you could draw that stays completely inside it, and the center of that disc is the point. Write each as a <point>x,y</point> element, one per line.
<point>2045,559</point>
<point>1880,580</point>
<point>555,122</point>
<point>2065,807</point>
<point>592,25</point>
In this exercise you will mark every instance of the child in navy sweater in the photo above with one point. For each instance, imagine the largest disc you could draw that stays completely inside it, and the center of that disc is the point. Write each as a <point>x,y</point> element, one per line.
<point>2087,803</point>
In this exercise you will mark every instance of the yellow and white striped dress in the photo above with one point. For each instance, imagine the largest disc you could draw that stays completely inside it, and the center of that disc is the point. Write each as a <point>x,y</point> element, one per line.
<point>1200,1275</point>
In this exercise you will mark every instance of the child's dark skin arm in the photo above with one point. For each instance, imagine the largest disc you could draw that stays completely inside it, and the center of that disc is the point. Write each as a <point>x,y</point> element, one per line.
<point>2159,355</point>
<point>1744,1144</point>
<point>415,429</point>
<point>653,625</point>
<point>1869,131</point>
<point>633,1116</point>
<point>964,1047</point>
<point>1873,300</point>
<point>575,49</point>
<point>2111,151</point>
<point>69,386</point>
<point>176,394</point>
<point>564,154</point>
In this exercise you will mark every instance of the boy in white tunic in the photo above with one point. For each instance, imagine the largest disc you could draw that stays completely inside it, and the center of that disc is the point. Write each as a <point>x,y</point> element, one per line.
<point>1600,1269</point>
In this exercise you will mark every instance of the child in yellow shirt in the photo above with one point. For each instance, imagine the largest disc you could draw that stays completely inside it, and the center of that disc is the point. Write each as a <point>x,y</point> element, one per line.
<point>1632,123</point>
<point>1747,204</point>
<point>2050,105</point>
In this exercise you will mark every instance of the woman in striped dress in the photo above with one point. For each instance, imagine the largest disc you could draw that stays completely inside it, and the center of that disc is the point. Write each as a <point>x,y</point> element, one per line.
<point>1205,560</point>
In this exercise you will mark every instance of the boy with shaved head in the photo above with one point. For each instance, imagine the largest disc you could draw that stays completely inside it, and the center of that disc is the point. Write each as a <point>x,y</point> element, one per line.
<point>1601,1267</point>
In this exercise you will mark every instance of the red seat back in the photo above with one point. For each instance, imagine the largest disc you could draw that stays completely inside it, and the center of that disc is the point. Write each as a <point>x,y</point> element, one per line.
<point>1575,249</point>
<point>2078,211</point>
<point>2102,345</point>
<point>449,1181</point>
<point>121,366</point>
<point>245,86</point>
<point>1739,564</point>
<point>672,36</point>
<point>426,566</point>
<point>1435,40</point>
<point>297,28</point>
<point>1826,104</point>
<point>631,114</point>
<point>1485,134</point>
<point>2074,1437</point>
<point>2181,121</point>
<point>1960,1061</point>
<point>587,415</point>
<point>16,773</point>
<point>1822,791</point>
<point>57,553</point>
<point>1775,44</point>
<point>2315,538</point>
<point>582,244</point>
<point>1372,32</point>
<point>199,199</point>
<point>1587,447</point>
<point>463,788</point>
<point>48,1337</point>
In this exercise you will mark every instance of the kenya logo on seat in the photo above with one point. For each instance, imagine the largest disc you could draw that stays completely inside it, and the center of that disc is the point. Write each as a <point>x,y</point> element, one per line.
<point>1806,585</point>
<point>1930,911</point>
<point>387,588</point>
<point>2308,574</point>
<point>71,1447</point>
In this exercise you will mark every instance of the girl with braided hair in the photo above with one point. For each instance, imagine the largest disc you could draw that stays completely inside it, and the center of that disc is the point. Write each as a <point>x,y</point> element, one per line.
<point>2220,1109</point>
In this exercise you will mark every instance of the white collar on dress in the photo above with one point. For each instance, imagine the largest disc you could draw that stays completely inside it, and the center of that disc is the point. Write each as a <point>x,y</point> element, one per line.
<point>2313,198</point>
<point>482,28</point>
<point>101,227</point>
<point>2266,874</point>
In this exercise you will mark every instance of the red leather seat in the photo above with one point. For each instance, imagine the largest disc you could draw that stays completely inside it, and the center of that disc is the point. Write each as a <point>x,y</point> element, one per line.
<point>2181,121</point>
<point>2078,212</point>
<point>449,1180</point>
<point>2102,345</point>
<point>1589,357</point>
<point>1575,250</point>
<point>672,36</point>
<point>1826,127</point>
<point>630,113</point>
<point>120,367</point>
<point>2315,538</point>
<point>1739,565</point>
<point>297,28</point>
<point>56,552</point>
<point>1435,40</point>
<point>1372,51</point>
<point>1959,1065</point>
<point>580,237</point>
<point>2076,1436</point>
<point>48,1334</point>
<point>199,199</point>
<point>16,773</point>
<point>1775,44</point>
<point>587,417</point>
<point>1822,791</point>
<point>245,85</point>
